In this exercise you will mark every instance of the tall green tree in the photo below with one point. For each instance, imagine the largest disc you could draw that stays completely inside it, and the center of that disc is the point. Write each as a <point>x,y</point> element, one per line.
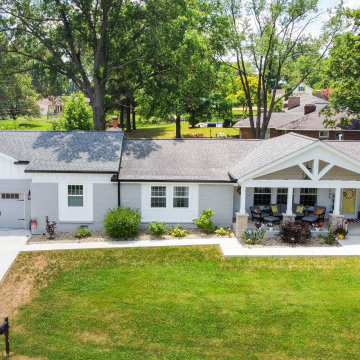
<point>90,41</point>
<point>17,94</point>
<point>344,72</point>
<point>268,44</point>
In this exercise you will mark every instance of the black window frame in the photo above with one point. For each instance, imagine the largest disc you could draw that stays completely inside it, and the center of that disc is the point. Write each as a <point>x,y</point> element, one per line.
<point>281,197</point>
<point>308,196</point>
<point>262,196</point>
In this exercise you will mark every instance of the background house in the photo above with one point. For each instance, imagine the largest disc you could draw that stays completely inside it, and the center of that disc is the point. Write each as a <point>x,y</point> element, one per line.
<point>303,89</point>
<point>53,105</point>
<point>302,116</point>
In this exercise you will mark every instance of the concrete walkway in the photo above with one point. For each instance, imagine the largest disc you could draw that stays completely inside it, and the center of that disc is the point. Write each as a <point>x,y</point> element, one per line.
<point>229,247</point>
<point>11,243</point>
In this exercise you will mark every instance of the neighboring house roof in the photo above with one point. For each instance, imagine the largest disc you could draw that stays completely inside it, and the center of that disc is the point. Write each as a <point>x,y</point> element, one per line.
<point>294,119</point>
<point>64,151</point>
<point>183,159</point>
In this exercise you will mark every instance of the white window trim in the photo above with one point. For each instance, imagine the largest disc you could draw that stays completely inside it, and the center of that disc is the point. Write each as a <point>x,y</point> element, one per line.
<point>324,136</point>
<point>158,196</point>
<point>181,197</point>
<point>170,214</point>
<point>72,195</point>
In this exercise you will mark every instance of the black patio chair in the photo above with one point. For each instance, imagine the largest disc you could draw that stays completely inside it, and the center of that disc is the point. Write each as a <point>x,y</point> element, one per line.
<point>256,213</point>
<point>317,215</point>
<point>298,210</point>
<point>277,210</point>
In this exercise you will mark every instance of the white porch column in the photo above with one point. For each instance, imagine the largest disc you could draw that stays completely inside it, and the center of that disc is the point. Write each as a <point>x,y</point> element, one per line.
<point>243,200</point>
<point>337,201</point>
<point>289,203</point>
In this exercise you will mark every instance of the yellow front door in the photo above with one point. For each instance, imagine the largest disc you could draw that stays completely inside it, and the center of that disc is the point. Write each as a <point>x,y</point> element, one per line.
<point>348,201</point>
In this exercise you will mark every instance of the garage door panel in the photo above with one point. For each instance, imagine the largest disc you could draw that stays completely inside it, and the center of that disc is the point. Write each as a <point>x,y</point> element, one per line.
<point>12,210</point>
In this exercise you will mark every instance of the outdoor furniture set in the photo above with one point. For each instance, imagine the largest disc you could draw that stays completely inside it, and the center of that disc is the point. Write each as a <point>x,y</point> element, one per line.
<point>274,213</point>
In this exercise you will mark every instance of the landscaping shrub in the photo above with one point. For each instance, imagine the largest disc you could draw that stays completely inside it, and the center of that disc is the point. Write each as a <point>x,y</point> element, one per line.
<point>294,233</point>
<point>82,232</point>
<point>223,232</point>
<point>204,222</point>
<point>77,114</point>
<point>253,236</point>
<point>50,228</point>
<point>178,231</point>
<point>122,223</point>
<point>157,228</point>
<point>330,238</point>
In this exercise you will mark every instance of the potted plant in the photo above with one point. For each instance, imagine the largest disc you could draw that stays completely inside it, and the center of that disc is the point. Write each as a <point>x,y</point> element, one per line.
<point>270,226</point>
<point>340,232</point>
<point>318,226</point>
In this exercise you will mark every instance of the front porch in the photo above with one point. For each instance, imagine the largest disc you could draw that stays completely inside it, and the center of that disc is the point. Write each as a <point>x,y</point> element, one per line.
<point>257,204</point>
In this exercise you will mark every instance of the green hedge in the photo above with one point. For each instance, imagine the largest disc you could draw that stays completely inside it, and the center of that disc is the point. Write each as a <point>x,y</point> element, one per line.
<point>122,223</point>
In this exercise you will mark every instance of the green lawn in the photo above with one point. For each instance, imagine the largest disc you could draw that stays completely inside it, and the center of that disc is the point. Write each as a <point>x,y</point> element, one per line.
<point>184,303</point>
<point>27,123</point>
<point>163,130</point>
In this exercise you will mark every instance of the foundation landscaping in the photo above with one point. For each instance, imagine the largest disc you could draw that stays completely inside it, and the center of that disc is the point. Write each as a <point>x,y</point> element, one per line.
<point>122,224</point>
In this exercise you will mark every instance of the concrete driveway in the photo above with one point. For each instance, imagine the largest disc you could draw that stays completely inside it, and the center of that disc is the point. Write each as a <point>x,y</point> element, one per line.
<point>11,243</point>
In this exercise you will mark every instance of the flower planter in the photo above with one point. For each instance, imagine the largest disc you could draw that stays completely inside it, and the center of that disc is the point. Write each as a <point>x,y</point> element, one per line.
<point>317,229</point>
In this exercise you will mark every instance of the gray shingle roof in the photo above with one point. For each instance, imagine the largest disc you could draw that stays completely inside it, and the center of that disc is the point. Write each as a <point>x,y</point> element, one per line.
<point>269,151</point>
<point>184,159</point>
<point>64,151</point>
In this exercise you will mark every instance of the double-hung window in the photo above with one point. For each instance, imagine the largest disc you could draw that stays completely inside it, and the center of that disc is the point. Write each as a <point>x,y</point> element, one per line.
<point>75,196</point>
<point>158,196</point>
<point>262,196</point>
<point>181,197</point>
<point>308,197</point>
<point>281,196</point>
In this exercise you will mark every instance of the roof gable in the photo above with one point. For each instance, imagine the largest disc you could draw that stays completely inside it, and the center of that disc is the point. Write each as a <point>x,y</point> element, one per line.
<point>298,153</point>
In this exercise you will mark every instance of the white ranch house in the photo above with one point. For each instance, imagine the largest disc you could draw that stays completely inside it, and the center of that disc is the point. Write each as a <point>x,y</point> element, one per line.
<point>76,177</point>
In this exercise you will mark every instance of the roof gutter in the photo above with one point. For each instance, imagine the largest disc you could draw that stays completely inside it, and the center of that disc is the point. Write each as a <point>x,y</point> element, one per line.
<point>178,181</point>
<point>71,171</point>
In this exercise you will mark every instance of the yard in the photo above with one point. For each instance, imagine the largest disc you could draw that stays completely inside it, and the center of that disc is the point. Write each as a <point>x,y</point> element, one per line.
<point>181,303</point>
<point>164,130</point>
<point>144,129</point>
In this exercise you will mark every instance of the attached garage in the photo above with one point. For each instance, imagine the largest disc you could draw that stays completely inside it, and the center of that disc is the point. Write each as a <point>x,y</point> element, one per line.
<point>12,210</point>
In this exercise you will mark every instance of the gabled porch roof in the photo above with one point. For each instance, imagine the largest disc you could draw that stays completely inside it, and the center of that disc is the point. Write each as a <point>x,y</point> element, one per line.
<point>279,153</point>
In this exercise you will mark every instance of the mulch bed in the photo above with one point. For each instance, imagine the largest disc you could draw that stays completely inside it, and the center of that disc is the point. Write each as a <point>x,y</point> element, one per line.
<point>100,235</point>
<point>277,242</point>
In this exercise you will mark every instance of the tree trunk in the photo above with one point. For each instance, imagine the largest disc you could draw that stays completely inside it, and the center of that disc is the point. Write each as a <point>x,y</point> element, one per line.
<point>122,115</point>
<point>128,114</point>
<point>133,114</point>
<point>97,104</point>
<point>178,126</point>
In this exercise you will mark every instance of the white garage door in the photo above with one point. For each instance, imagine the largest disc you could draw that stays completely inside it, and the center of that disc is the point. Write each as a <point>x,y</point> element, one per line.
<point>12,210</point>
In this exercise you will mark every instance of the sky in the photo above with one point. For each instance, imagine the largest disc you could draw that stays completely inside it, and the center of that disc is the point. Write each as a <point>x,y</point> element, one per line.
<point>315,28</point>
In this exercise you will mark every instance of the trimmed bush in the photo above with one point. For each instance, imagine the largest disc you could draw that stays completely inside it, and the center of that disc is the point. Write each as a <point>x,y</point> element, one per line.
<point>82,232</point>
<point>223,232</point>
<point>204,221</point>
<point>122,223</point>
<point>178,231</point>
<point>294,233</point>
<point>157,228</point>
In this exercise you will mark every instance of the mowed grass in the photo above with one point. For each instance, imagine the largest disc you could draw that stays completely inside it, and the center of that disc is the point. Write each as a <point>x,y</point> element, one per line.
<point>28,123</point>
<point>144,129</point>
<point>186,303</point>
<point>168,131</point>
